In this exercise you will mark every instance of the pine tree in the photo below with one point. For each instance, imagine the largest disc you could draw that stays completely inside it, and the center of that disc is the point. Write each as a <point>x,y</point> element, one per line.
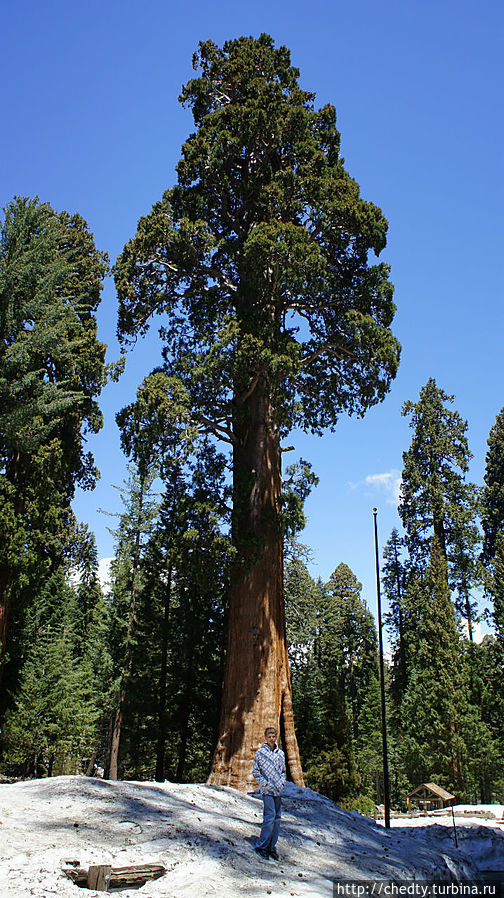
<point>354,632</point>
<point>92,639</point>
<point>51,370</point>
<point>493,524</point>
<point>398,618</point>
<point>493,491</point>
<point>322,722</point>
<point>301,608</point>
<point>174,627</point>
<point>50,728</point>
<point>482,723</point>
<point>443,720</point>
<point>443,734</point>
<point>173,692</point>
<point>333,653</point>
<point>357,640</point>
<point>436,500</point>
<point>141,507</point>
<point>304,601</point>
<point>431,709</point>
<point>274,318</point>
<point>492,514</point>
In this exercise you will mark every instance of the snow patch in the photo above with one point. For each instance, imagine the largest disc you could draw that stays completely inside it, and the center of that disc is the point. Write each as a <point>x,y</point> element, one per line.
<point>205,836</point>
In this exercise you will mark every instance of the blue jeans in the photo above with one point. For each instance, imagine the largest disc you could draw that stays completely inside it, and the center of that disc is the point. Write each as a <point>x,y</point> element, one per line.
<point>271,822</point>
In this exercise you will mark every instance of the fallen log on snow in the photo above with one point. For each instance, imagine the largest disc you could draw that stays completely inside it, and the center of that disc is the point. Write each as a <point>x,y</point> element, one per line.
<point>103,877</point>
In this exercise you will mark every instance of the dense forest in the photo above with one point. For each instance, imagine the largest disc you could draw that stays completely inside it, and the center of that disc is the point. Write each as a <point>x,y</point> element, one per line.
<point>258,259</point>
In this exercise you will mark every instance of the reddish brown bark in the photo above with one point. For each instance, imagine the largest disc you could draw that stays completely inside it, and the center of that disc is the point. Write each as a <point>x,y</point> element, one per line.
<point>12,475</point>
<point>4,617</point>
<point>162,721</point>
<point>126,669</point>
<point>257,690</point>
<point>116,734</point>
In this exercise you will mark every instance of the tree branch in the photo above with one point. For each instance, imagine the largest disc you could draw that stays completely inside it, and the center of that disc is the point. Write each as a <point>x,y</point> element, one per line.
<point>156,259</point>
<point>223,433</point>
<point>239,400</point>
<point>210,270</point>
<point>339,352</point>
<point>315,355</point>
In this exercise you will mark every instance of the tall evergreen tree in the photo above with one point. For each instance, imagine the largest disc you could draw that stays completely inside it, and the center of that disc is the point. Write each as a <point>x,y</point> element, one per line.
<point>51,725</point>
<point>442,729</point>
<point>333,653</point>
<point>202,578</point>
<point>436,501</point>
<point>493,491</point>
<point>323,725</point>
<point>356,638</point>
<point>170,650</point>
<point>51,370</point>
<point>172,698</point>
<point>492,513</point>
<point>141,507</point>
<point>258,259</point>
<point>431,707</point>
<point>151,436</point>
<point>399,619</point>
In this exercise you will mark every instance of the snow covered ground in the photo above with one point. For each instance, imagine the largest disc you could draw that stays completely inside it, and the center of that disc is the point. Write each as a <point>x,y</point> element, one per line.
<point>479,831</point>
<point>204,836</point>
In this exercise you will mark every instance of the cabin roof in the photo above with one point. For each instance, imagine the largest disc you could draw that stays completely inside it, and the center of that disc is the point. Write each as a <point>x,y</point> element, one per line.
<point>435,789</point>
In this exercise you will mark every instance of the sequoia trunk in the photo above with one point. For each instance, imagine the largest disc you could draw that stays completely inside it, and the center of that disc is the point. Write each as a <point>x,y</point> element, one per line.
<point>257,690</point>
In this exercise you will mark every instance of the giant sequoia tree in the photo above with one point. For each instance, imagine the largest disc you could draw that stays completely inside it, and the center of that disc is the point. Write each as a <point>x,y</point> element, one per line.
<point>275,316</point>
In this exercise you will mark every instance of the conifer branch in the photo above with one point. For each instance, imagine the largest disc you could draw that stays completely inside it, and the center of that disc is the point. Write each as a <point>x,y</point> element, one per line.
<point>223,433</point>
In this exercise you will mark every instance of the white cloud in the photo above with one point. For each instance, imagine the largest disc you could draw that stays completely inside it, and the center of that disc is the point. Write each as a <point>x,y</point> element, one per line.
<point>388,483</point>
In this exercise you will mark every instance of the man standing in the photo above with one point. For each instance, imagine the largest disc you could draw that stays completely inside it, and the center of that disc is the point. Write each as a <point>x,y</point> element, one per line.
<point>269,771</point>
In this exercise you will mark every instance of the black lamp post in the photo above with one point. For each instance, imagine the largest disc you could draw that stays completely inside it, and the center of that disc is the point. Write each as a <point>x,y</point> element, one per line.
<point>386,788</point>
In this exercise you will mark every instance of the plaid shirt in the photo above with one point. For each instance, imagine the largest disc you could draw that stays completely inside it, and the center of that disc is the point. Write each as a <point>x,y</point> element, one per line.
<point>269,769</point>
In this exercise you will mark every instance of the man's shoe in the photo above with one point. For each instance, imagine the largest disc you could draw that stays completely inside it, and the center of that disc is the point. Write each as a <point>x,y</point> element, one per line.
<point>262,853</point>
<point>273,853</point>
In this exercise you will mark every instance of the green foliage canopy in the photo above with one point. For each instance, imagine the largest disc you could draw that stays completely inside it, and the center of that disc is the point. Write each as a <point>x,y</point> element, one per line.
<point>258,257</point>
<point>436,499</point>
<point>493,491</point>
<point>51,371</point>
<point>51,363</point>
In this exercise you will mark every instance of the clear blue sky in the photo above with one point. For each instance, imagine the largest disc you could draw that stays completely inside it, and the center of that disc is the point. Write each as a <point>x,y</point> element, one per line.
<point>91,123</point>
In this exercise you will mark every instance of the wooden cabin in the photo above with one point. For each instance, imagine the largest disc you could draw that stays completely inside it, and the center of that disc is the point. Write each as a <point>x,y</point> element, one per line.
<point>430,797</point>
